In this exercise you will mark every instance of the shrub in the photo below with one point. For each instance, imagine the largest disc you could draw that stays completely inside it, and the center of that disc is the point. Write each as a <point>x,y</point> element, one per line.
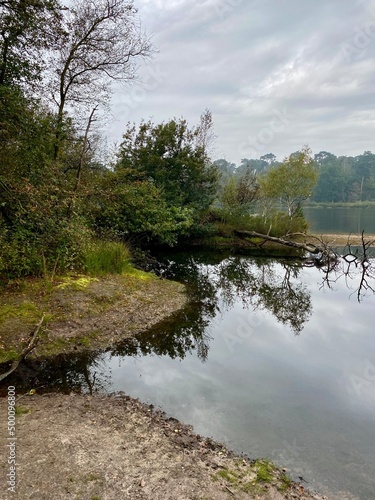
<point>34,249</point>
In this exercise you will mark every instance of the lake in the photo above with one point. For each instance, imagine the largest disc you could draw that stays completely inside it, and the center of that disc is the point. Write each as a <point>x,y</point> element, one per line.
<point>272,358</point>
<point>341,220</point>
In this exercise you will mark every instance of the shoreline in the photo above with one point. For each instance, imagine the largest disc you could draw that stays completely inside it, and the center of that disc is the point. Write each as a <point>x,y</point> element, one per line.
<point>112,447</point>
<point>204,470</point>
<point>84,313</point>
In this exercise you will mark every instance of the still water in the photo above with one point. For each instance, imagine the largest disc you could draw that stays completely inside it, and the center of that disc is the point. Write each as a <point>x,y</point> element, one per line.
<point>341,220</point>
<point>270,358</point>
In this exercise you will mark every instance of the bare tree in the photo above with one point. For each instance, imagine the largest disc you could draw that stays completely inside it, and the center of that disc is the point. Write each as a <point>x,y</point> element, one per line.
<point>205,133</point>
<point>101,43</point>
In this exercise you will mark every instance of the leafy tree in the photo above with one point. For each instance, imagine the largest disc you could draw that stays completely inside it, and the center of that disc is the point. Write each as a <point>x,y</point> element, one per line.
<point>122,207</point>
<point>292,181</point>
<point>364,168</point>
<point>225,169</point>
<point>168,156</point>
<point>269,158</point>
<point>27,29</point>
<point>257,166</point>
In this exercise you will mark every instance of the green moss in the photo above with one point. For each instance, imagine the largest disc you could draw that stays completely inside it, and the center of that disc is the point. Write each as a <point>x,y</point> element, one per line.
<point>25,310</point>
<point>74,283</point>
<point>6,356</point>
<point>141,275</point>
<point>21,410</point>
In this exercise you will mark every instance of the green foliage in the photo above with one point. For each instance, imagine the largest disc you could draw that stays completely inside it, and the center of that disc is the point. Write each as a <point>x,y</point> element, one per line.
<point>239,194</point>
<point>171,156</point>
<point>37,249</point>
<point>291,182</point>
<point>106,257</point>
<point>129,207</point>
<point>345,179</point>
<point>27,29</point>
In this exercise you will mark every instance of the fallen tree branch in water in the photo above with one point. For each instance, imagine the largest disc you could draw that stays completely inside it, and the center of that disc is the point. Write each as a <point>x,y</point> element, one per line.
<point>31,345</point>
<point>324,256</point>
<point>308,247</point>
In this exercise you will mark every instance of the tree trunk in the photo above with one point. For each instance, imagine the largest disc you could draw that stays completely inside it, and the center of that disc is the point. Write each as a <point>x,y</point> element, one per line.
<point>309,247</point>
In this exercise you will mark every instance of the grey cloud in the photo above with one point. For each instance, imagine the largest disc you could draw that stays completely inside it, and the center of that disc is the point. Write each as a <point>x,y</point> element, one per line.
<point>246,60</point>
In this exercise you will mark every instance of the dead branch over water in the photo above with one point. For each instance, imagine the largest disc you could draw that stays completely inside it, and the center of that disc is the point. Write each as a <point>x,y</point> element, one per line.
<point>326,257</point>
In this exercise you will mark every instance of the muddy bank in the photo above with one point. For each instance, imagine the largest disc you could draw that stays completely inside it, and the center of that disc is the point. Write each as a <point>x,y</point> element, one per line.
<point>84,313</point>
<point>114,447</point>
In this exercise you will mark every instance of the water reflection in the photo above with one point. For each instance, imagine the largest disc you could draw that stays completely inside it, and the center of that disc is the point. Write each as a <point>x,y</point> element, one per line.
<point>266,285</point>
<point>306,401</point>
<point>84,372</point>
<point>216,283</point>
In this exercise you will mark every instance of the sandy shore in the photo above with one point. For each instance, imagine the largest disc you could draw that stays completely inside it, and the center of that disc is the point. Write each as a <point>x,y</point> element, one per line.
<point>114,447</point>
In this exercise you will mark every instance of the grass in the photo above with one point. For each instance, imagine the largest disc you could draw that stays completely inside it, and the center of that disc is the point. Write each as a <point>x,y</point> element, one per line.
<point>265,471</point>
<point>75,297</point>
<point>285,482</point>
<point>228,475</point>
<point>107,257</point>
<point>8,355</point>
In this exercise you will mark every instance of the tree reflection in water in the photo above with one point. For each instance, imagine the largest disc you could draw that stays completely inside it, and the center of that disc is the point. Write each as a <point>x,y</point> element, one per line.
<point>215,282</point>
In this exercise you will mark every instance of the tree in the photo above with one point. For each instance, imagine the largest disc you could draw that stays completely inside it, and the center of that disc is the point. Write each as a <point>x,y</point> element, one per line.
<point>239,193</point>
<point>225,170</point>
<point>270,158</point>
<point>168,155</point>
<point>101,42</point>
<point>27,29</point>
<point>121,207</point>
<point>205,133</point>
<point>292,181</point>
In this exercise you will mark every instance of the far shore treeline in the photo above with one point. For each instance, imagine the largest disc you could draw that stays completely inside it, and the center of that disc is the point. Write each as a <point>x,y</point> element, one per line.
<point>64,199</point>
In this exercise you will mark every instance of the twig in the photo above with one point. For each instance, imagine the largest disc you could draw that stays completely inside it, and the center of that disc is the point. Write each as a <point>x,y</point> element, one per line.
<point>230,491</point>
<point>31,345</point>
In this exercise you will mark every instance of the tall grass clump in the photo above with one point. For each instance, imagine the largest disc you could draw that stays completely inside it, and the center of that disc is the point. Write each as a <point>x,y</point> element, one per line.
<point>106,257</point>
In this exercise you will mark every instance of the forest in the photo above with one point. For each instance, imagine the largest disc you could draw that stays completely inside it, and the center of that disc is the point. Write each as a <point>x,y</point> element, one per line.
<point>341,179</point>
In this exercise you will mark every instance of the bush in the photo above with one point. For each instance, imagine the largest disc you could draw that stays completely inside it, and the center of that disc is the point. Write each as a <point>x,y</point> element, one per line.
<point>275,224</point>
<point>278,224</point>
<point>34,249</point>
<point>106,257</point>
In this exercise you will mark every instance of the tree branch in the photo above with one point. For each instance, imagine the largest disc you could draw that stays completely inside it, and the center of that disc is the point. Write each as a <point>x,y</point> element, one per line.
<point>31,345</point>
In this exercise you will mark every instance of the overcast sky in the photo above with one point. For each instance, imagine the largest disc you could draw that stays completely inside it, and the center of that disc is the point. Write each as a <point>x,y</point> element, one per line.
<point>276,74</point>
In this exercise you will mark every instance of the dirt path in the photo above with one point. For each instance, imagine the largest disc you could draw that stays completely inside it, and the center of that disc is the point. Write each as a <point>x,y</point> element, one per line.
<point>115,448</point>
